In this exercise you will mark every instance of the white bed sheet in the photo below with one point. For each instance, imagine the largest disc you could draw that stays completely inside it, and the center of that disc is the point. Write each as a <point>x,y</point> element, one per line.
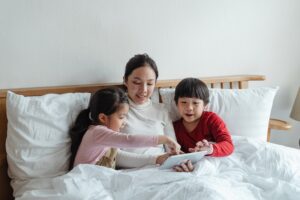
<point>256,170</point>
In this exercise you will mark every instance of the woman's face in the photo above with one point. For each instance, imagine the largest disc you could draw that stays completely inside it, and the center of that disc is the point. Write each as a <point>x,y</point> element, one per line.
<point>140,84</point>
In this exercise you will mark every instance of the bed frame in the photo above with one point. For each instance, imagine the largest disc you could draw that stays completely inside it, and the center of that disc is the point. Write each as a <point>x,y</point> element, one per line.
<point>237,81</point>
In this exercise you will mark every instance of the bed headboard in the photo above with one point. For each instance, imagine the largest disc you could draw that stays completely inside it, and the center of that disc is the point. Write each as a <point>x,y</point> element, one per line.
<point>237,81</point>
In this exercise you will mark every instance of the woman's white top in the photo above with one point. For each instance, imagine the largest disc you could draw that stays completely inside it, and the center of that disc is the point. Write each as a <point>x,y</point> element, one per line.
<point>147,119</point>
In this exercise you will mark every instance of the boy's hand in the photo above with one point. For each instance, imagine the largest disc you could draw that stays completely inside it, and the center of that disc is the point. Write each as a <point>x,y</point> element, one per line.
<point>203,145</point>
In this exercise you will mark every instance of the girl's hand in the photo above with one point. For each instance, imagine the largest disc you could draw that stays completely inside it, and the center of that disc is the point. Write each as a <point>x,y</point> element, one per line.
<point>171,143</point>
<point>203,145</point>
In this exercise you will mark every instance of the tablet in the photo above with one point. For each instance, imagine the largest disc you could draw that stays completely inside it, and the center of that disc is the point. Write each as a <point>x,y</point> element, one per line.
<point>178,159</point>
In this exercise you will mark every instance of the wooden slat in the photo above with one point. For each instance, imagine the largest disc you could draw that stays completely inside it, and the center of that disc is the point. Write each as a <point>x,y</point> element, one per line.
<point>36,91</point>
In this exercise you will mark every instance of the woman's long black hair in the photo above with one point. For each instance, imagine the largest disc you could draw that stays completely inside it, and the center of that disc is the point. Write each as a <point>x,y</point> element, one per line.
<point>137,61</point>
<point>106,101</point>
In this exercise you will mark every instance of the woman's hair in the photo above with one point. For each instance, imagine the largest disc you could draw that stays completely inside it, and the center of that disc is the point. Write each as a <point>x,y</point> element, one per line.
<point>106,101</point>
<point>137,61</point>
<point>192,87</point>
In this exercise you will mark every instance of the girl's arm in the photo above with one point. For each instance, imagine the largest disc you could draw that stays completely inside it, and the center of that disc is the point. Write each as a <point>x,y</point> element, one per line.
<point>104,136</point>
<point>107,137</point>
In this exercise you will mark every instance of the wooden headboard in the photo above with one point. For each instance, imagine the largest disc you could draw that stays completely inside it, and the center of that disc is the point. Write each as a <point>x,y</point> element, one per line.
<point>237,81</point>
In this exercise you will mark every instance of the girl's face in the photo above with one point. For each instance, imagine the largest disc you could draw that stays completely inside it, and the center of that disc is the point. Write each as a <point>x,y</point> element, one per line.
<point>140,84</point>
<point>117,120</point>
<point>190,109</point>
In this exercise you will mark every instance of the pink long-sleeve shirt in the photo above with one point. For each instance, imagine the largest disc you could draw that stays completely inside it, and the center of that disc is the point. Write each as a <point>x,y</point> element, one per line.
<point>98,139</point>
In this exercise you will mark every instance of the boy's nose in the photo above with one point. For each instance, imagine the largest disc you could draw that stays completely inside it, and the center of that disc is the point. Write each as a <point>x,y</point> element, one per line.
<point>189,106</point>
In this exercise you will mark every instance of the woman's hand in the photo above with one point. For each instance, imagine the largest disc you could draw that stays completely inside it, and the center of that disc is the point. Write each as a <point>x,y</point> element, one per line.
<point>203,145</point>
<point>171,144</point>
<point>186,166</point>
<point>162,158</point>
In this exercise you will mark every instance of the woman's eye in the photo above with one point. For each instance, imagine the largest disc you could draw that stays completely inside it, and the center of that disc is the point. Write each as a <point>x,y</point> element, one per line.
<point>136,83</point>
<point>149,84</point>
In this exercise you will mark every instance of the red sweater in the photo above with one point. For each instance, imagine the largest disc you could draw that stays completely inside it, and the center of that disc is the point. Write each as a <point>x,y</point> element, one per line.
<point>210,127</point>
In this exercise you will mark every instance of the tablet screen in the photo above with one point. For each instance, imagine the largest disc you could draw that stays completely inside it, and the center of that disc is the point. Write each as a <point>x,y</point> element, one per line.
<point>178,159</point>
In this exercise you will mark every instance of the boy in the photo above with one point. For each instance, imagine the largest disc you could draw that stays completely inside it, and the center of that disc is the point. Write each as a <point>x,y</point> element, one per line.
<point>199,130</point>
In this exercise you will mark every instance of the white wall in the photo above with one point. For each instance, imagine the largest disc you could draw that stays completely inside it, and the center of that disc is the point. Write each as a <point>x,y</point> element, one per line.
<point>62,42</point>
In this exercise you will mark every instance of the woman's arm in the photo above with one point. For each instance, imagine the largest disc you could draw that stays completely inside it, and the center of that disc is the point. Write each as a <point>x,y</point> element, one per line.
<point>126,159</point>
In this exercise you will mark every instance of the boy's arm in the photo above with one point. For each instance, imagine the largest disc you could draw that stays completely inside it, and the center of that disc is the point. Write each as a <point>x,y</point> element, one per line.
<point>223,145</point>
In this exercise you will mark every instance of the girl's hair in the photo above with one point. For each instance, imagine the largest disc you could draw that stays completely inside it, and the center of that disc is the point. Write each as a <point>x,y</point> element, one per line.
<point>192,87</point>
<point>105,101</point>
<point>139,60</point>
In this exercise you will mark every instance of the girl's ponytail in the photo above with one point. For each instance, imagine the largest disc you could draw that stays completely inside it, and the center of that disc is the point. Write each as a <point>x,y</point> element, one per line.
<point>77,132</point>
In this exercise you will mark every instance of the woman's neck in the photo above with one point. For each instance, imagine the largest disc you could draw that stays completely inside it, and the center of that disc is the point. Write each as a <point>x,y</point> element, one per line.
<point>143,105</point>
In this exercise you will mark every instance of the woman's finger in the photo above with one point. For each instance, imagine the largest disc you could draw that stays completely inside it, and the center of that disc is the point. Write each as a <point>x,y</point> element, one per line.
<point>177,169</point>
<point>190,165</point>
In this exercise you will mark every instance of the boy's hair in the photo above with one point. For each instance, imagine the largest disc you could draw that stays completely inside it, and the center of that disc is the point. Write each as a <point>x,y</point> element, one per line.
<point>192,88</point>
<point>105,101</point>
<point>137,61</point>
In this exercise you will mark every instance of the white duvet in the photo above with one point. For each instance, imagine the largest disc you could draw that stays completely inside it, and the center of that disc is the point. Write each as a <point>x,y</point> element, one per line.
<point>256,170</point>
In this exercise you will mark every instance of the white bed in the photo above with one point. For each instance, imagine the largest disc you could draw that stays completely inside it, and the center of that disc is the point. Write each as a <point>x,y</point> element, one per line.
<point>37,150</point>
<point>256,170</point>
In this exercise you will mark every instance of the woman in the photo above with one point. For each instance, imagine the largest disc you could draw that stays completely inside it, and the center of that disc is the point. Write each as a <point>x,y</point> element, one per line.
<point>144,116</point>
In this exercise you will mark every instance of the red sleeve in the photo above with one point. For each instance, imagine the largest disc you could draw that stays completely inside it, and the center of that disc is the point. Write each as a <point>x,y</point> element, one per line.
<point>218,129</point>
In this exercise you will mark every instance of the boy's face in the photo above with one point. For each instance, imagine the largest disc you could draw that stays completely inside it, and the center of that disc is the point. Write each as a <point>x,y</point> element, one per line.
<point>190,109</point>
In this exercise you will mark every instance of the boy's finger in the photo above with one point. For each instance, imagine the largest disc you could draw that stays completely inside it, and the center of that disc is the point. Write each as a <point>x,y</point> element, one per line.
<point>199,144</point>
<point>205,142</point>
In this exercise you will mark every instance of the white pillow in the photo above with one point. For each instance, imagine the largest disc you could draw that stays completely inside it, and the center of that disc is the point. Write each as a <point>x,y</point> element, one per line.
<point>38,142</point>
<point>246,112</point>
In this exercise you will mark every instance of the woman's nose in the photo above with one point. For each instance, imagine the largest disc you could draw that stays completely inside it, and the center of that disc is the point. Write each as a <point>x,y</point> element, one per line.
<point>143,88</point>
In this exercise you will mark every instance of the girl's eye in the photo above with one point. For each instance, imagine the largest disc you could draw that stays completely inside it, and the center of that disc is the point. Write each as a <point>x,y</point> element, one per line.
<point>122,117</point>
<point>149,84</point>
<point>196,103</point>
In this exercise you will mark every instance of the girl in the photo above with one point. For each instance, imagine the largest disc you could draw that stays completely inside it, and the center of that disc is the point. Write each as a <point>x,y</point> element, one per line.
<point>95,134</point>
